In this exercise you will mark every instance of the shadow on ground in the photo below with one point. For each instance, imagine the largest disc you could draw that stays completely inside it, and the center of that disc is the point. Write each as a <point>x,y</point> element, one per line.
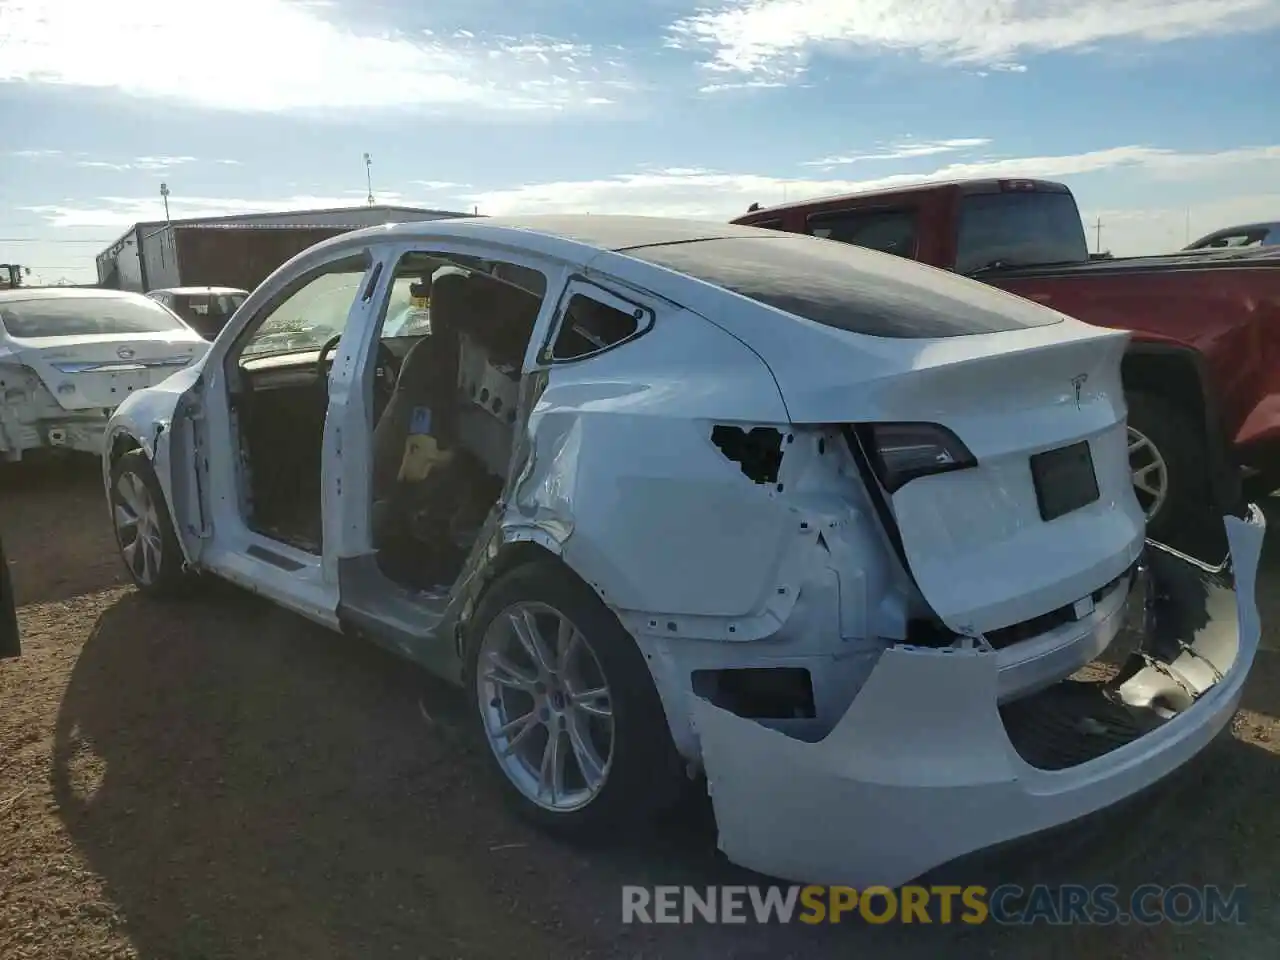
<point>251,786</point>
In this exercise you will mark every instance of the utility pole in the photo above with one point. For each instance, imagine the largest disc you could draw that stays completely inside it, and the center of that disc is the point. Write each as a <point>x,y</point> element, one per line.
<point>368,176</point>
<point>168,226</point>
<point>1097,235</point>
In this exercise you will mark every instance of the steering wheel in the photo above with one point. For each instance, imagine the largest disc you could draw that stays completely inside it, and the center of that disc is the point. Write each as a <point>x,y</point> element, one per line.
<point>385,371</point>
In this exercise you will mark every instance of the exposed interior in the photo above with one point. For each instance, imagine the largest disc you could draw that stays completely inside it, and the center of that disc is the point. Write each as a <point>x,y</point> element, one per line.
<point>442,445</point>
<point>278,393</point>
<point>452,343</point>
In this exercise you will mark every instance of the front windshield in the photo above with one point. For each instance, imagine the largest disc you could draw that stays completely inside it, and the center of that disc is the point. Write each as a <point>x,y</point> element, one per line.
<point>311,316</point>
<point>407,315</point>
<point>85,317</point>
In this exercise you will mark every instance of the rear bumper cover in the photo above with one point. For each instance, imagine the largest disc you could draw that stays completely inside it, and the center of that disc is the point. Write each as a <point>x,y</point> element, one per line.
<point>70,431</point>
<point>923,767</point>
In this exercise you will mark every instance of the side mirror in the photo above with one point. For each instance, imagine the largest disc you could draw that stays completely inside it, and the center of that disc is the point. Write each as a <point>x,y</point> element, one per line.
<point>10,640</point>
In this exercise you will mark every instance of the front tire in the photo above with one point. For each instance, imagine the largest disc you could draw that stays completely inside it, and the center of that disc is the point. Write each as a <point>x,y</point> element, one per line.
<point>1168,463</point>
<point>144,529</point>
<point>575,728</point>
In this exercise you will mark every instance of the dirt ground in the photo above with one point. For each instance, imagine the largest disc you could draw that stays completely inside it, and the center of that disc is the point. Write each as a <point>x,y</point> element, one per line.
<point>217,778</point>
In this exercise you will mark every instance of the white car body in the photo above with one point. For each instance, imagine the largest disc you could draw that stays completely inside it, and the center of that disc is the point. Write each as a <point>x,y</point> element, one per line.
<point>57,390</point>
<point>906,761</point>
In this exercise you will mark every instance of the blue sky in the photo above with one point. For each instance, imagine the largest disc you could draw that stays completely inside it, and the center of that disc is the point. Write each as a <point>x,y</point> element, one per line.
<point>1150,110</point>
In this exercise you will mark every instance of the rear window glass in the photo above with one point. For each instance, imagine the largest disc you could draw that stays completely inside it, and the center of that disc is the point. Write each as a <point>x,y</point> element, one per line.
<point>219,305</point>
<point>85,317</point>
<point>591,326</point>
<point>1019,229</point>
<point>1252,238</point>
<point>889,231</point>
<point>848,287</point>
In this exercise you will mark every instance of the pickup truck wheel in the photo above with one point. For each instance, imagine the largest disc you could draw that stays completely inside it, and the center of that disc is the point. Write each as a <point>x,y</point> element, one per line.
<point>143,527</point>
<point>564,699</point>
<point>1166,461</point>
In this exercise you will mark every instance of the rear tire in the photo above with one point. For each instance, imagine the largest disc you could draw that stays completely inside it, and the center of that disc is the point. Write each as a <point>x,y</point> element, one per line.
<point>1169,462</point>
<point>144,529</point>
<point>642,774</point>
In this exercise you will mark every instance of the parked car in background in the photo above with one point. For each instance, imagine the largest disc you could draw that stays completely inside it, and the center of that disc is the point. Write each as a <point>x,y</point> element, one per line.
<point>1204,359</point>
<point>68,356</point>
<point>205,309</point>
<point>10,638</point>
<point>833,527</point>
<point>1239,238</point>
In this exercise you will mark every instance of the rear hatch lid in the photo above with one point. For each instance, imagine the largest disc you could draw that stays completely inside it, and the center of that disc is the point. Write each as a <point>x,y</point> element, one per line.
<point>1010,491</point>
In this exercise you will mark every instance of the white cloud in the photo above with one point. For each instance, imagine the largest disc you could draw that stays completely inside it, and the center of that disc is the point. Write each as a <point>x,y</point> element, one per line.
<point>139,163</point>
<point>35,154</point>
<point>276,56</point>
<point>716,195</point>
<point>905,150</point>
<point>125,211</point>
<point>704,193</point>
<point>437,184</point>
<point>774,37</point>
<point>745,85</point>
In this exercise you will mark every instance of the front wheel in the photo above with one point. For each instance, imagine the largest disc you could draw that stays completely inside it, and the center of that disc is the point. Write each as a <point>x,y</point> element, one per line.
<point>144,530</point>
<point>1168,464</point>
<point>567,706</point>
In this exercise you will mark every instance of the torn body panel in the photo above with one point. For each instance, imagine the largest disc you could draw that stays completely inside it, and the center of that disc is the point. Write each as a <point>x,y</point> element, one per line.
<point>925,766</point>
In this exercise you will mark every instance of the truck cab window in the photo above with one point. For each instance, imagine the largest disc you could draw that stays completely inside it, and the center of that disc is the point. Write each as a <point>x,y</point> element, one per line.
<point>889,231</point>
<point>1030,228</point>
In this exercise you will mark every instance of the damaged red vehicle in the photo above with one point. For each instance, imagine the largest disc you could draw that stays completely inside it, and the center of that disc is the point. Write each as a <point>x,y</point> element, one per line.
<point>1203,362</point>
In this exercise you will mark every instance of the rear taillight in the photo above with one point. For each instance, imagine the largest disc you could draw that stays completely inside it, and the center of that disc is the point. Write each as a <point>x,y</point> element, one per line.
<point>901,452</point>
<point>17,382</point>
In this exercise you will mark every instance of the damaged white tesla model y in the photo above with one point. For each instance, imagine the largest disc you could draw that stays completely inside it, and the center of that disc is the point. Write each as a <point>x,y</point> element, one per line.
<point>837,530</point>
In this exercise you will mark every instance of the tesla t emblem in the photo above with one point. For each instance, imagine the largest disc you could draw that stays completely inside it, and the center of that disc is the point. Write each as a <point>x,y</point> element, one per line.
<point>127,353</point>
<point>1078,381</point>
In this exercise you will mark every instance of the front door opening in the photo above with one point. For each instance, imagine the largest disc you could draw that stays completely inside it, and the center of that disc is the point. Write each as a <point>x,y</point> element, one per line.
<point>279,397</point>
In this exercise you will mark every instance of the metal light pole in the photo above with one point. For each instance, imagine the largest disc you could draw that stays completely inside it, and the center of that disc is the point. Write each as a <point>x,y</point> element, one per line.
<point>168,227</point>
<point>368,176</point>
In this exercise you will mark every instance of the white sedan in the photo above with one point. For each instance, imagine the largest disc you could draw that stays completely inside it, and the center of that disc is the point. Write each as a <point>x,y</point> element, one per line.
<point>68,356</point>
<point>676,499</point>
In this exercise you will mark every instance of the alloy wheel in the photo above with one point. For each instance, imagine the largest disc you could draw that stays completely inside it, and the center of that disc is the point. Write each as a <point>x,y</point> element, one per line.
<point>1150,473</point>
<point>546,706</point>
<point>137,527</point>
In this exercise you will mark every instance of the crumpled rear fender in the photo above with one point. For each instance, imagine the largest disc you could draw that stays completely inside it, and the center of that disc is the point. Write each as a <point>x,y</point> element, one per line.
<point>923,766</point>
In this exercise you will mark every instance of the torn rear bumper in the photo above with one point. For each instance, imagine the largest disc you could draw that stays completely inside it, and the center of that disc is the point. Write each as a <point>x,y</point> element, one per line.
<point>926,766</point>
<point>82,433</point>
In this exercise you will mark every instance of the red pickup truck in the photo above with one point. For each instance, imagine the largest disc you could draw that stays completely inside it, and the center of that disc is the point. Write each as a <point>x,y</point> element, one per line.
<point>1203,367</point>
